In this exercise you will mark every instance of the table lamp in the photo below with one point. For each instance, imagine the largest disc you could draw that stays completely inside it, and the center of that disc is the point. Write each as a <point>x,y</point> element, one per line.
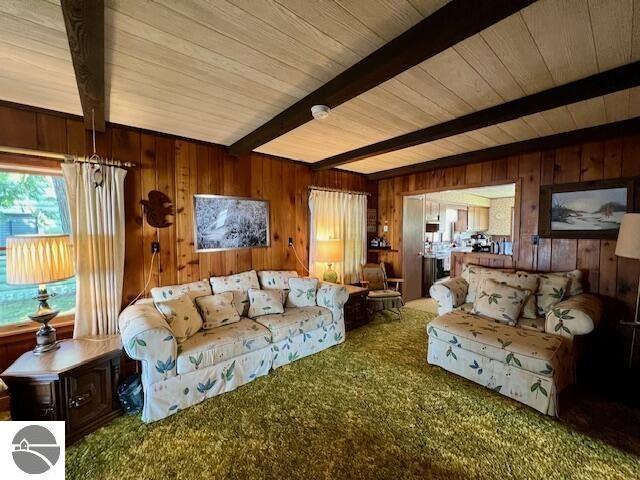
<point>329,252</point>
<point>38,260</point>
<point>628,246</point>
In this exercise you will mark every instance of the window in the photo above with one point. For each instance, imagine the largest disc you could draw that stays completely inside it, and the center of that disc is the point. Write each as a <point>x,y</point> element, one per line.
<point>31,203</point>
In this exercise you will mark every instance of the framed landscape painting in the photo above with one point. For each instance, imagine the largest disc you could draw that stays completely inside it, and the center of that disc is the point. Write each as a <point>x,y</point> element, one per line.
<point>585,209</point>
<point>226,223</point>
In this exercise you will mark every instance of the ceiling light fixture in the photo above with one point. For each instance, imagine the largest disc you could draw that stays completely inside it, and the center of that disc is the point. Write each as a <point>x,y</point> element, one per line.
<point>320,112</point>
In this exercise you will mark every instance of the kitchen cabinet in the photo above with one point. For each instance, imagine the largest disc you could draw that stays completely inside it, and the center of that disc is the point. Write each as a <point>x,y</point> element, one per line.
<point>462,222</point>
<point>478,219</point>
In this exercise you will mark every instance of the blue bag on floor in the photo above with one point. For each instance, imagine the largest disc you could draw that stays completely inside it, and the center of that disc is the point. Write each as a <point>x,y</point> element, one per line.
<point>131,395</point>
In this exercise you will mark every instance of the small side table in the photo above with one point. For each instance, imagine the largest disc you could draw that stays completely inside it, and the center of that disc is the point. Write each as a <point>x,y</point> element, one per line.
<point>76,383</point>
<point>355,310</point>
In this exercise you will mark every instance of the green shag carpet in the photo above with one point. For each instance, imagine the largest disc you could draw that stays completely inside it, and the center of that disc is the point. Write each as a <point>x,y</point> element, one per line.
<point>370,408</point>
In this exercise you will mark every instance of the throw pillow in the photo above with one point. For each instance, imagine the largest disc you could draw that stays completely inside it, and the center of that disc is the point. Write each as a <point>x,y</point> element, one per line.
<point>500,302</point>
<point>475,276</point>
<point>302,292</point>
<point>181,315</point>
<point>552,289</point>
<point>264,302</point>
<point>217,310</point>
<point>523,280</point>
<point>193,290</point>
<point>239,284</point>
<point>275,279</point>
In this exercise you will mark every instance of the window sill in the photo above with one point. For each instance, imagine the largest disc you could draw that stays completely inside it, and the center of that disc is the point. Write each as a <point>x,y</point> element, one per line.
<point>62,320</point>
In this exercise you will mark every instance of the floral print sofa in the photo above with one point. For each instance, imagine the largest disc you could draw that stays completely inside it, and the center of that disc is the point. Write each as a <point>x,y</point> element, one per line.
<point>531,362</point>
<point>211,362</point>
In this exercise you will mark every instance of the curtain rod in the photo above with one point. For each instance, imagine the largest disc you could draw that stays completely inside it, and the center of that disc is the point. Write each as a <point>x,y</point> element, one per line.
<point>64,157</point>
<point>325,189</point>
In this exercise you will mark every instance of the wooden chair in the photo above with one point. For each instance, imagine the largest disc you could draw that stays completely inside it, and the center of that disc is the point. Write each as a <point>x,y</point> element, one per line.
<point>380,296</point>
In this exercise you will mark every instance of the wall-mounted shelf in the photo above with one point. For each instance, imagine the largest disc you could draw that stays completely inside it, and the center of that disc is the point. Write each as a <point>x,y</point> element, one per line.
<point>382,250</point>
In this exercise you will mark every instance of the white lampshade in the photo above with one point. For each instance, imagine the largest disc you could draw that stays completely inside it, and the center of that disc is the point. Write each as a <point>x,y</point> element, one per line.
<point>629,236</point>
<point>329,251</point>
<point>39,259</point>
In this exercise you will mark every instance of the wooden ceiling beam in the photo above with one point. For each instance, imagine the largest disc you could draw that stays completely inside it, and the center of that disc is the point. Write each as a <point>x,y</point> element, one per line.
<point>590,134</point>
<point>621,78</point>
<point>84,22</point>
<point>454,22</point>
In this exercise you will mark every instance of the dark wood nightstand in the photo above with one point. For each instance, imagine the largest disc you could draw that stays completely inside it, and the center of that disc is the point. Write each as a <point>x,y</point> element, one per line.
<point>76,383</point>
<point>355,310</point>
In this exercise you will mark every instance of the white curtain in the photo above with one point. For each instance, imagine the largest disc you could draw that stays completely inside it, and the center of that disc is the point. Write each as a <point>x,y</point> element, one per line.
<point>339,215</point>
<point>97,229</point>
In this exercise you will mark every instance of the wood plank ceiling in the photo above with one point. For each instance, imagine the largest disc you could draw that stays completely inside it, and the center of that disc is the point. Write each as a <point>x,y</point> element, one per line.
<point>216,70</point>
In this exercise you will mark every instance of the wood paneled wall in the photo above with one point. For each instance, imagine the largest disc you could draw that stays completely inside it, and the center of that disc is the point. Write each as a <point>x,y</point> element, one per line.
<point>608,275</point>
<point>180,168</point>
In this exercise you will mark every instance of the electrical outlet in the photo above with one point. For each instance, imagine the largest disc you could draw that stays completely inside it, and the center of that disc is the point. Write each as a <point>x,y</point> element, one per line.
<point>290,242</point>
<point>535,240</point>
<point>385,228</point>
<point>155,247</point>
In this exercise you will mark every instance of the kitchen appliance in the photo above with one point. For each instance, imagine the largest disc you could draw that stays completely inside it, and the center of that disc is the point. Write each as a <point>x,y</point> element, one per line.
<point>480,243</point>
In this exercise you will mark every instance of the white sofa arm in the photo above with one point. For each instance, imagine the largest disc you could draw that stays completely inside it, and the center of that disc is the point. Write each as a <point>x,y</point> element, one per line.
<point>577,315</point>
<point>449,294</point>
<point>146,336</point>
<point>333,297</point>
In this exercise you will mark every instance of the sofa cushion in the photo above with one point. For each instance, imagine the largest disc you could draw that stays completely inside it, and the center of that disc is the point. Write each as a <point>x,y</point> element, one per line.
<point>181,315</point>
<point>535,324</point>
<point>294,321</point>
<point>217,310</point>
<point>475,275</point>
<point>577,315</point>
<point>193,289</point>
<point>210,347</point>
<point>575,286</point>
<point>533,351</point>
<point>276,279</point>
<point>265,302</point>
<point>239,284</point>
<point>524,280</point>
<point>551,290</point>
<point>302,292</point>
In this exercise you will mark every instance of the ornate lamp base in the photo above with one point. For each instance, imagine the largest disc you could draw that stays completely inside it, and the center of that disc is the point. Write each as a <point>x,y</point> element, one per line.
<point>46,335</point>
<point>330,275</point>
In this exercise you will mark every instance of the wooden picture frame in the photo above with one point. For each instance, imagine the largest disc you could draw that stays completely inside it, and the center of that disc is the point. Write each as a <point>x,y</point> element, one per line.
<point>547,193</point>
<point>230,223</point>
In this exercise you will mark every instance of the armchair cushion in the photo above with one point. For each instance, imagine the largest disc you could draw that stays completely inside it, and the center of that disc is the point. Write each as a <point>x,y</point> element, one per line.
<point>475,275</point>
<point>500,302</point>
<point>551,290</point>
<point>576,315</point>
<point>449,294</point>
<point>217,310</point>
<point>239,284</point>
<point>181,315</point>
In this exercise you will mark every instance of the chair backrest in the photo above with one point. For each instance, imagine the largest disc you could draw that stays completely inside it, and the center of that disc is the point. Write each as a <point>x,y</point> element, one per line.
<point>376,275</point>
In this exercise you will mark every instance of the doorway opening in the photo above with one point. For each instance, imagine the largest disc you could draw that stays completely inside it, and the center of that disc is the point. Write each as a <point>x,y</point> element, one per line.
<point>439,225</point>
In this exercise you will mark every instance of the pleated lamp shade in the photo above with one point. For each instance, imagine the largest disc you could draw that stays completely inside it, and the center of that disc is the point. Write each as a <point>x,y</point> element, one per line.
<point>329,251</point>
<point>628,244</point>
<point>39,259</point>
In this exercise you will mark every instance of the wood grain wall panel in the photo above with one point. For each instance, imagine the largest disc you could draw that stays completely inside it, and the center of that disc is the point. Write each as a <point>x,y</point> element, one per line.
<point>165,178</point>
<point>18,128</point>
<point>608,268</point>
<point>592,161</point>
<point>612,158</point>
<point>51,133</point>
<point>180,168</point>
